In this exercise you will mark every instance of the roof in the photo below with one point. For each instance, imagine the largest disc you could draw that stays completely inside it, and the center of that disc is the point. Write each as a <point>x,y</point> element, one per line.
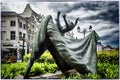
<point>8,13</point>
<point>28,11</point>
<point>108,46</point>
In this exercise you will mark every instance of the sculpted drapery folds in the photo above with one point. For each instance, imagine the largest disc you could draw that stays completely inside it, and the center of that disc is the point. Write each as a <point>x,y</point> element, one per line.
<point>79,54</point>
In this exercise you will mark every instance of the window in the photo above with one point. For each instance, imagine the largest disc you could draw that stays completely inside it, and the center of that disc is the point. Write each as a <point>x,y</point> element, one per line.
<point>12,23</point>
<point>24,26</point>
<point>3,23</point>
<point>28,36</point>
<point>24,35</point>
<point>20,24</point>
<point>31,37</point>
<point>20,35</point>
<point>12,35</point>
<point>33,26</point>
<point>3,35</point>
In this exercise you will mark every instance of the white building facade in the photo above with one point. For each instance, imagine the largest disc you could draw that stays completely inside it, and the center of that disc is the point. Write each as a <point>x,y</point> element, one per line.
<point>33,21</point>
<point>99,46</point>
<point>13,28</point>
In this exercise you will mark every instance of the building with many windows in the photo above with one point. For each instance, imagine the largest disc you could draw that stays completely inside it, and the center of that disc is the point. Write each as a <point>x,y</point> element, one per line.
<point>18,30</point>
<point>13,28</point>
<point>33,21</point>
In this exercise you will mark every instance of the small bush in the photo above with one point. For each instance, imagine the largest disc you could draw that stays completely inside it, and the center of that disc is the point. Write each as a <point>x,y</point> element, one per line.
<point>108,67</point>
<point>26,57</point>
<point>9,71</point>
<point>46,57</point>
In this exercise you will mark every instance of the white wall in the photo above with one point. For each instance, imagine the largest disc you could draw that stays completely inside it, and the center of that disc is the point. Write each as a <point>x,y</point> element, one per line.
<point>16,28</point>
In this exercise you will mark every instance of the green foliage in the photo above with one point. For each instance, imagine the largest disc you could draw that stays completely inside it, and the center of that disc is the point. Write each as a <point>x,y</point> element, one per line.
<point>108,71</point>
<point>9,71</point>
<point>103,58</point>
<point>108,67</point>
<point>46,57</point>
<point>108,64</point>
<point>92,76</point>
<point>108,52</point>
<point>26,57</point>
<point>41,68</point>
<point>45,64</point>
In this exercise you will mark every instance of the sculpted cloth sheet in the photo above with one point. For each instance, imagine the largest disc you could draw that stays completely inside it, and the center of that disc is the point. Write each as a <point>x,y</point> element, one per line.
<point>79,54</point>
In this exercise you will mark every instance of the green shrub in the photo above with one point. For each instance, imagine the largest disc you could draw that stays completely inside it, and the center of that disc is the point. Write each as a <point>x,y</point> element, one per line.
<point>108,71</point>
<point>108,64</point>
<point>108,56</point>
<point>109,52</point>
<point>9,71</point>
<point>108,59</point>
<point>46,64</point>
<point>108,67</point>
<point>92,76</point>
<point>45,57</point>
<point>26,57</point>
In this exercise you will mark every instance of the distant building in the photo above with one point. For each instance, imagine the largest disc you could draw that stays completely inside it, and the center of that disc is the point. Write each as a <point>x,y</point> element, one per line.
<point>99,46</point>
<point>107,47</point>
<point>13,27</point>
<point>33,21</point>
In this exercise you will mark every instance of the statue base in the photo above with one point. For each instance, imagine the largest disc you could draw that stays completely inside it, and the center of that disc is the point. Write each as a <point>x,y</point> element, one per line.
<point>56,75</point>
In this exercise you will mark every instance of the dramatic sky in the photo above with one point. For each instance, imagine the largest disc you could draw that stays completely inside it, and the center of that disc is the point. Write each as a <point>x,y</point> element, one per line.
<point>103,16</point>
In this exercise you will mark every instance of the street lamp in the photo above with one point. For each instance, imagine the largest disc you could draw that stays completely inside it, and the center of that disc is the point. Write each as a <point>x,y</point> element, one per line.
<point>90,28</point>
<point>85,30</point>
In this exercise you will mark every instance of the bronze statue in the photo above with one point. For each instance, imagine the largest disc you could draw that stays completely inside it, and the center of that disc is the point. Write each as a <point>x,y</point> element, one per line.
<point>68,26</point>
<point>79,54</point>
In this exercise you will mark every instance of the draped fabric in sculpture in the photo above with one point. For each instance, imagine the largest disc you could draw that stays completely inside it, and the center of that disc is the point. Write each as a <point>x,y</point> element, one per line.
<point>79,54</point>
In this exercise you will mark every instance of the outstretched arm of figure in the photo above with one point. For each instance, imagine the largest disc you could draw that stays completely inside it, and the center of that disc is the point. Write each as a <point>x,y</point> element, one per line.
<point>58,21</point>
<point>76,21</point>
<point>69,26</point>
<point>66,23</point>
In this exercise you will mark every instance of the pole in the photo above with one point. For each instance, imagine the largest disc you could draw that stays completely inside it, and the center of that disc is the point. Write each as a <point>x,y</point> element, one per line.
<point>23,51</point>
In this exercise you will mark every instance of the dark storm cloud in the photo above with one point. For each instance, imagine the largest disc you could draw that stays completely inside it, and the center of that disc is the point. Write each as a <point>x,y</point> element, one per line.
<point>65,7</point>
<point>87,5</point>
<point>111,26</point>
<point>109,10</point>
<point>111,14</point>
<point>112,38</point>
<point>114,42</point>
